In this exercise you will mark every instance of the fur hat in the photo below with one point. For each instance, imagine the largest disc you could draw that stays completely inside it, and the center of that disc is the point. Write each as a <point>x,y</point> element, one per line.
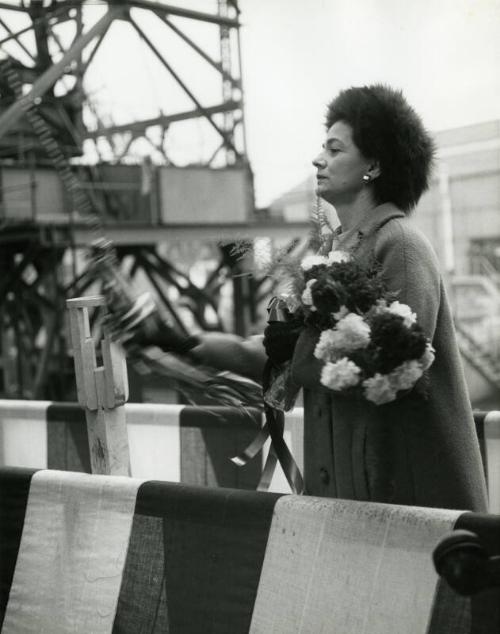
<point>386,128</point>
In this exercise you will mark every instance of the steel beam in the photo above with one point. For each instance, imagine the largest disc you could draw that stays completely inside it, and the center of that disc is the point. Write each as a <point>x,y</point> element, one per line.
<point>15,37</point>
<point>144,4</point>
<point>160,57</point>
<point>183,13</point>
<point>218,233</point>
<point>30,28</point>
<point>140,4</point>
<point>10,7</point>
<point>149,269</point>
<point>194,46</point>
<point>97,45</point>
<point>45,81</point>
<point>163,120</point>
<point>57,40</point>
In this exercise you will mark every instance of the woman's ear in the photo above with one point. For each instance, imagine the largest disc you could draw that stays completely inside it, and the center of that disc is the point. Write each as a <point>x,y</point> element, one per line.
<point>374,170</point>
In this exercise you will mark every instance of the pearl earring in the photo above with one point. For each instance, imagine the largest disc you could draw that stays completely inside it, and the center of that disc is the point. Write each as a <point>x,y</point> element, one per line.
<point>366,178</point>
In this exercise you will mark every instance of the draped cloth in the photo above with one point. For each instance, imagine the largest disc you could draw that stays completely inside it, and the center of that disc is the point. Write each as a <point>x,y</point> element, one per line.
<point>224,561</point>
<point>342,567</point>
<point>72,553</point>
<point>179,443</point>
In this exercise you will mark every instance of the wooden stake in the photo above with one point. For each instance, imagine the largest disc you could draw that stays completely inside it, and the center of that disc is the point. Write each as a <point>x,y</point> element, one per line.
<point>102,391</point>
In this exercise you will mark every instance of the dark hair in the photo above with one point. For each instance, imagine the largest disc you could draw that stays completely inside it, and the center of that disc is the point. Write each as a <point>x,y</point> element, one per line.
<point>387,129</point>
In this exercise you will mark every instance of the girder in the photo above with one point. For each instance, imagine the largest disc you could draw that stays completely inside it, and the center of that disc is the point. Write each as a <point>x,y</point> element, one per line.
<point>38,280</point>
<point>136,127</point>
<point>42,258</point>
<point>79,54</point>
<point>52,74</point>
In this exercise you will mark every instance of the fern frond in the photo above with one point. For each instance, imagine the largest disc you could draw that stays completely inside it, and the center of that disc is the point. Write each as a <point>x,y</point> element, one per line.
<point>316,228</point>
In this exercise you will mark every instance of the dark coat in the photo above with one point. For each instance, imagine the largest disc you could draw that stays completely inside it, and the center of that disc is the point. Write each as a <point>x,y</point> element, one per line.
<point>422,448</point>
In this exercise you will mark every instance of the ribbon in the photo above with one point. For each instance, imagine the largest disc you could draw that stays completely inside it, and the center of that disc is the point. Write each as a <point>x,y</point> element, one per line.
<point>273,427</point>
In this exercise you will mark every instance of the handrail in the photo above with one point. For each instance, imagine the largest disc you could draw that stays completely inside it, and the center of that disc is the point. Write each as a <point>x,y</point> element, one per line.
<point>471,339</point>
<point>484,266</point>
<point>479,358</point>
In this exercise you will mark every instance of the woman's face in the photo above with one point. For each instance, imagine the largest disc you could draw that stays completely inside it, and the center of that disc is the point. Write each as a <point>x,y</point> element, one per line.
<point>341,166</point>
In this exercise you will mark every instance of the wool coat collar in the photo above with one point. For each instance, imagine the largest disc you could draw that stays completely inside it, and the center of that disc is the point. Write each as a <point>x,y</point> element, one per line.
<point>373,220</point>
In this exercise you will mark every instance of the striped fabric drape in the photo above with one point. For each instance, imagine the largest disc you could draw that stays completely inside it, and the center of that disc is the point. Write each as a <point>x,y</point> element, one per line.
<point>178,443</point>
<point>168,442</point>
<point>217,560</point>
<point>74,544</point>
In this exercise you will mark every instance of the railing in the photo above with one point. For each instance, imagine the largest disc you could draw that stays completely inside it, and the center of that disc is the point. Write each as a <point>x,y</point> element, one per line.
<point>177,443</point>
<point>481,265</point>
<point>486,362</point>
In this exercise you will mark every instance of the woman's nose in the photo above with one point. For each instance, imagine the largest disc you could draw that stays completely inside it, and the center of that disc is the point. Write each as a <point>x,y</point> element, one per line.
<point>319,161</point>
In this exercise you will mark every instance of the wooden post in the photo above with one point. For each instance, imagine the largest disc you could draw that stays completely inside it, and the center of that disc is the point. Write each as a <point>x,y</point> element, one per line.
<point>102,391</point>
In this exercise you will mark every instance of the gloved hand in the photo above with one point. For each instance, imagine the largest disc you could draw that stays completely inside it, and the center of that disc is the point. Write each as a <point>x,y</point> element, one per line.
<point>153,331</point>
<point>280,338</point>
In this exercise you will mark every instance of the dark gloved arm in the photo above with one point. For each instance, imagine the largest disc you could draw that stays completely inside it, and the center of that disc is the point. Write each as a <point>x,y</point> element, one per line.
<point>231,353</point>
<point>225,351</point>
<point>248,356</point>
<point>280,338</point>
<point>218,350</point>
<point>154,331</point>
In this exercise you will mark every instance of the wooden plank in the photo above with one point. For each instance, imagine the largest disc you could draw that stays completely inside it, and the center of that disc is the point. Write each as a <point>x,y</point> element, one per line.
<point>115,373</point>
<point>102,391</point>
<point>108,441</point>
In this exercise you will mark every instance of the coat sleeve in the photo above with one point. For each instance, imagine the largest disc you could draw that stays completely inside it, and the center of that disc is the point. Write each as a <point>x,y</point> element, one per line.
<point>409,268</point>
<point>232,353</point>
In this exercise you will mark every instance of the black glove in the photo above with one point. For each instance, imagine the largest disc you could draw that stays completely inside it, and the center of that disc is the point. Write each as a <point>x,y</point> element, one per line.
<point>153,331</point>
<point>280,338</point>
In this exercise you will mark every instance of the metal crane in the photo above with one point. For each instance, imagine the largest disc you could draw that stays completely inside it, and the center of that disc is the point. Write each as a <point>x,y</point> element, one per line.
<point>59,189</point>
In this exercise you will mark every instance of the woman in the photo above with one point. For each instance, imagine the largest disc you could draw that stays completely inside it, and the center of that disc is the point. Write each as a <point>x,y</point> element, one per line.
<point>422,448</point>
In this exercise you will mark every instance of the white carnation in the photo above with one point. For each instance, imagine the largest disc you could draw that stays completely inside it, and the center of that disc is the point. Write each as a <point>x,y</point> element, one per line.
<point>354,332</point>
<point>312,260</point>
<point>379,389</point>
<point>328,346</point>
<point>350,333</point>
<point>338,256</point>
<point>404,311</point>
<point>427,359</point>
<point>406,375</point>
<point>340,375</point>
<point>307,295</point>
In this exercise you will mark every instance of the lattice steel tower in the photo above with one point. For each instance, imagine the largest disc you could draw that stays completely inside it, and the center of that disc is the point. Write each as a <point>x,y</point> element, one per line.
<point>70,171</point>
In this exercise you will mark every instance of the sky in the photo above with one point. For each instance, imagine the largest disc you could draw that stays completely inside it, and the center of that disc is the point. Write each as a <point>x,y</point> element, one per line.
<point>296,55</point>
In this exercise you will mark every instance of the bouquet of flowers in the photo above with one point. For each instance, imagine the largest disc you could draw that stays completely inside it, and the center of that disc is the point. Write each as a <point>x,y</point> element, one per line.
<point>370,344</point>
